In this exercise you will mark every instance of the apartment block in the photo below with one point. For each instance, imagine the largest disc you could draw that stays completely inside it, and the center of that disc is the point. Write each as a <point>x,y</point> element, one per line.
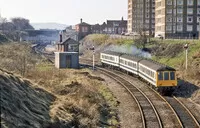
<point>141,16</point>
<point>177,18</point>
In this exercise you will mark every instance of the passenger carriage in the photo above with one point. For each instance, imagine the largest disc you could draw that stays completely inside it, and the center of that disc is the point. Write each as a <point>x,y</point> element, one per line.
<point>110,58</point>
<point>129,63</point>
<point>159,75</point>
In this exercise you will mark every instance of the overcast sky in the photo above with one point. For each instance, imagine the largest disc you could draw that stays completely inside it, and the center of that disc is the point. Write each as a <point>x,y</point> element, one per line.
<point>65,11</point>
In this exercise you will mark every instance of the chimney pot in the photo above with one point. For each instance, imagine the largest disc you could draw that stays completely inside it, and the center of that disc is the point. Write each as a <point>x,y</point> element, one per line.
<point>81,20</point>
<point>60,38</point>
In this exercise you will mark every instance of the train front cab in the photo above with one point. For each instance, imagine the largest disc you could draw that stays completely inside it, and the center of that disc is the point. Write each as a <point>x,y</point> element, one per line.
<point>166,81</point>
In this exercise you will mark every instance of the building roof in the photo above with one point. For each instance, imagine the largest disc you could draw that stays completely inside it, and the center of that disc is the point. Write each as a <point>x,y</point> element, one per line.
<point>69,41</point>
<point>120,23</point>
<point>84,24</point>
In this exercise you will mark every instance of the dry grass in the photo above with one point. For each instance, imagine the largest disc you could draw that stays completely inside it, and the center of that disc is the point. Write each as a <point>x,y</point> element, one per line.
<point>22,105</point>
<point>99,39</point>
<point>81,98</point>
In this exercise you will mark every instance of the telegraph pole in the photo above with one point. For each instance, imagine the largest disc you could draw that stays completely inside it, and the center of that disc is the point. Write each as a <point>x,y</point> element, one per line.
<point>93,57</point>
<point>186,53</point>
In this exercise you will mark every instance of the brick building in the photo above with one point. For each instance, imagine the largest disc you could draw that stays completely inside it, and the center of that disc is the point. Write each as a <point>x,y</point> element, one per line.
<point>83,29</point>
<point>110,27</point>
<point>67,53</point>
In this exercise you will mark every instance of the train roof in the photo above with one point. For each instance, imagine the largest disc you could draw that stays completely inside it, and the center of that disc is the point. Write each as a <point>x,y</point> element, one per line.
<point>112,53</point>
<point>131,57</point>
<point>156,65</point>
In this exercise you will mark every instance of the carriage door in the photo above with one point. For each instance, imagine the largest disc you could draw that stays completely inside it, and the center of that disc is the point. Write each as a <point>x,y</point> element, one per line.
<point>68,61</point>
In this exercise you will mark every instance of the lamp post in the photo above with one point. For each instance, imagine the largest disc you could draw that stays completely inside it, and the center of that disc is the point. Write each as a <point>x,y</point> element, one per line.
<point>93,57</point>
<point>186,53</point>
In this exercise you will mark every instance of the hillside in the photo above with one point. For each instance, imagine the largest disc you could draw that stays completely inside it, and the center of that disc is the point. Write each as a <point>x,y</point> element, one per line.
<point>22,105</point>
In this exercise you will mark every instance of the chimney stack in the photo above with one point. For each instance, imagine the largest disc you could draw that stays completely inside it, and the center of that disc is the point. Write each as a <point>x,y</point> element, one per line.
<point>81,20</point>
<point>122,18</point>
<point>60,37</point>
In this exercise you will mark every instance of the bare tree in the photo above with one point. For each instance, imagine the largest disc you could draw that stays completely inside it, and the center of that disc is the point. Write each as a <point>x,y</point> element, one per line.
<point>21,24</point>
<point>142,40</point>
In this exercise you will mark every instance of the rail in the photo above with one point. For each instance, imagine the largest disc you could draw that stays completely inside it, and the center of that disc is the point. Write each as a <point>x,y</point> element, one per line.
<point>143,100</point>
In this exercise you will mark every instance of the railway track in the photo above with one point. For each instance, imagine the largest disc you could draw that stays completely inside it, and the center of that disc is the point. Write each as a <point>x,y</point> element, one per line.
<point>39,49</point>
<point>149,114</point>
<point>192,108</point>
<point>183,115</point>
<point>166,112</point>
<point>185,118</point>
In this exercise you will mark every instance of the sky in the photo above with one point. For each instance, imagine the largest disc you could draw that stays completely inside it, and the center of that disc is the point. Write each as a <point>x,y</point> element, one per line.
<point>65,11</point>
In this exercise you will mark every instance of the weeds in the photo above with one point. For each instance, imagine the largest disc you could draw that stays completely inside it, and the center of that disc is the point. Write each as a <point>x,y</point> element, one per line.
<point>80,96</point>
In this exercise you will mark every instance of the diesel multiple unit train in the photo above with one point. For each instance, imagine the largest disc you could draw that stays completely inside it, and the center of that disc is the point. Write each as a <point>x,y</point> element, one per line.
<point>160,76</point>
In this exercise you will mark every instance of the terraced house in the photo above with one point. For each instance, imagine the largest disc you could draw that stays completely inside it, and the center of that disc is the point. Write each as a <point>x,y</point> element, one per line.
<point>177,18</point>
<point>141,16</point>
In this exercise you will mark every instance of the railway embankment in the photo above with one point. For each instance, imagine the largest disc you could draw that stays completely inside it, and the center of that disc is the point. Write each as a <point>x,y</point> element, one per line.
<point>36,94</point>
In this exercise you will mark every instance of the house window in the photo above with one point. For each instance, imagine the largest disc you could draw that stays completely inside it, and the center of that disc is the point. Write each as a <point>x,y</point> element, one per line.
<point>198,20</point>
<point>198,11</point>
<point>169,19</point>
<point>180,2</point>
<point>189,28</point>
<point>169,2</point>
<point>190,11</point>
<point>189,2</point>
<point>189,19</point>
<point>198,28</point>
<point>180,10</point>
<point>179,28</point>
<point>179,19</point>
<point>169,28</point>
<point>198,2</point>
<point>169,11</point>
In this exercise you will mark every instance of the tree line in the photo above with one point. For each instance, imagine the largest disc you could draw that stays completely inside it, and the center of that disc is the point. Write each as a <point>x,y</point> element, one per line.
<point>15,28</point>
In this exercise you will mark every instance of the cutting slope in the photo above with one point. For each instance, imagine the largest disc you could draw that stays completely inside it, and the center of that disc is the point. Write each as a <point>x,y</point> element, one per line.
<point>21,104</point>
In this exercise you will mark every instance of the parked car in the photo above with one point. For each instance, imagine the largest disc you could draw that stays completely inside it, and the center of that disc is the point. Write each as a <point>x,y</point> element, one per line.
<point>127,34</point>
<point>159,36</point>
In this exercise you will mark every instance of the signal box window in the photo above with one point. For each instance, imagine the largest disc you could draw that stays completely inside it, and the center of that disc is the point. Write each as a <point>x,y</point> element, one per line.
<point>160,76</point>
<point>166,75</point>
<point>172,76</point>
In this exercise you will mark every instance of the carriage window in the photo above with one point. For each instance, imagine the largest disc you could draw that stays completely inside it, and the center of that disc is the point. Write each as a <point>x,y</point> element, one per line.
<point>160,76</point>
<point>166,75</point>
<point>172,76</point>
